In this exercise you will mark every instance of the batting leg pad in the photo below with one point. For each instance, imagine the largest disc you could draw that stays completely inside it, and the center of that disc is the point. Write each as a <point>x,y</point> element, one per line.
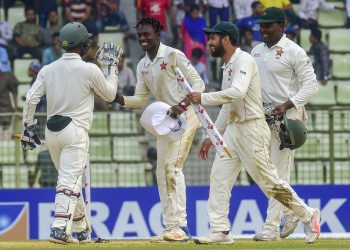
<point>65,205</point>
<point>79,219</point>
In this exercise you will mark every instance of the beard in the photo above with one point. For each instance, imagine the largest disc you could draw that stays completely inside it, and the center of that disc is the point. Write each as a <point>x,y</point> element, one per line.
<point>219,51</point>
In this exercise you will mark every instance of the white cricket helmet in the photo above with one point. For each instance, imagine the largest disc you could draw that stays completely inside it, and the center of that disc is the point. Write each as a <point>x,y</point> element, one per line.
<point>156,121</point>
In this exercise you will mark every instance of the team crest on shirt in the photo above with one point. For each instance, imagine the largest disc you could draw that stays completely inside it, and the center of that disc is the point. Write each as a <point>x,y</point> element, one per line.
<point>230,72</point>
<point>279,53</point>
<point>163,66</point>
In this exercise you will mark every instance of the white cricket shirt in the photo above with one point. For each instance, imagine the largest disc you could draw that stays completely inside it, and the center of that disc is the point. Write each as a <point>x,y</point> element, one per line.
<point>69,84</point>
<point>241,91</point>
<point>286,72</point>
<point>159,78</point>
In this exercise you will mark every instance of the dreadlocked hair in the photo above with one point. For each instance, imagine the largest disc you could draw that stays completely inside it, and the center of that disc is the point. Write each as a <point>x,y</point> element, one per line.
<point>156,25</point>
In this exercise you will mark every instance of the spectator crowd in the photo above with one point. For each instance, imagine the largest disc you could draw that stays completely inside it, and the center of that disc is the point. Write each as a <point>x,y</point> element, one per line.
<point>37,36</point>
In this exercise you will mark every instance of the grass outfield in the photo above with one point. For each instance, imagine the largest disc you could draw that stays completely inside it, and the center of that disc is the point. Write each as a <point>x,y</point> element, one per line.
<point>241,244</point>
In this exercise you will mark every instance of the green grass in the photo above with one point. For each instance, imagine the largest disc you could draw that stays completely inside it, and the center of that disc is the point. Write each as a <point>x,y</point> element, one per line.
<point>241,244</point>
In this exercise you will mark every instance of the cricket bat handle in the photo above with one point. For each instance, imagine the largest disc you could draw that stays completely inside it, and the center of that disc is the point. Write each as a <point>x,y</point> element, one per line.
<point>27,139</point>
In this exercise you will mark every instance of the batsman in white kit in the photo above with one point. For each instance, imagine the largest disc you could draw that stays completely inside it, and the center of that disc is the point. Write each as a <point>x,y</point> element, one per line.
<point>288,82</point>
<point>156,76</point>
<point>69,85</point>
<point>242,120</point>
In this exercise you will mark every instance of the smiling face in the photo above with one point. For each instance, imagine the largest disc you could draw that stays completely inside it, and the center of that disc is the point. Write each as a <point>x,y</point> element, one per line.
<point>215,45</point>
<point>271,32</point>
<point>148,38</point>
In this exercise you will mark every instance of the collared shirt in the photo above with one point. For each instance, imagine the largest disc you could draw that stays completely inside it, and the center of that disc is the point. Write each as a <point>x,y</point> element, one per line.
<point>158,77</point>
<point>241,91</point>
<point>322,61</point>
<point>286,72</point>
<point>28,31</point>
<point>308,8</point>
<point>69,84</point>
<point>6,33</point>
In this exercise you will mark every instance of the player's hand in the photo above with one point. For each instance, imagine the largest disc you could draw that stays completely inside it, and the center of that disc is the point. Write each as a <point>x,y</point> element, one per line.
<point>204,149</point>
<point>108,55</point>
<point>30,132</point>
<point>195,97</point>
<point>281,109</point>
<point>175,111</point>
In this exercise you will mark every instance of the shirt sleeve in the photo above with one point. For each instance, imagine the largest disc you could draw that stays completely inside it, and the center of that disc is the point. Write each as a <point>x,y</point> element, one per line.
<point>221,120</point>
<point>33,97</point>
<point>306,77</point>
<point>190,73</point>
<point>139,99</point>
<point>238,89</point>
<point>106,88</point>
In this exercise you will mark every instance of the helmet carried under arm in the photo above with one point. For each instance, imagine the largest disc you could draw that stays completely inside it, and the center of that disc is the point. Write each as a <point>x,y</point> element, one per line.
<point>292,133</point>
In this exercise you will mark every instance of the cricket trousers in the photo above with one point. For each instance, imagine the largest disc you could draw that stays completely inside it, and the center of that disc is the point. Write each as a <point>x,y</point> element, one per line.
<point>250,144</point>
<point>68,149</point>
<point>171,157</point>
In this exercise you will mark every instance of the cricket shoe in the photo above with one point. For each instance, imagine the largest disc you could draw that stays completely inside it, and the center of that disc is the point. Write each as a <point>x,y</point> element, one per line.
<point>312,228</point>
<point>59,236</point>
<point>267,234</point>
<point>290,223</point>
<point>216,238</point>
<point>176,234</point>
<point>83,236</point>
<point>159,238</point>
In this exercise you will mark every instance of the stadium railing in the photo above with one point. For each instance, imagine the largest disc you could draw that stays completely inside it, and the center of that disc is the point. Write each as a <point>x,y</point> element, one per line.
<point>118,151</point>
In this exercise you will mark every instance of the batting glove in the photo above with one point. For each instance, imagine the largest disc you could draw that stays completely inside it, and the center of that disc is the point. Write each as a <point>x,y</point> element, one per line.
<point>108,55</point>
<point>30,138</point>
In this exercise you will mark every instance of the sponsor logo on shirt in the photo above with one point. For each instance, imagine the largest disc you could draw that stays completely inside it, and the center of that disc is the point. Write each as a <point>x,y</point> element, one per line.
<point>144,72</point>
<point>242,72</point>
<point>257,54</point>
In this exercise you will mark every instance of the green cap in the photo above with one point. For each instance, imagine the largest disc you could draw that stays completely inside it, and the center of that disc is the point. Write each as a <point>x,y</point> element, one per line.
<point>225,28</point>
<point>272,15</point>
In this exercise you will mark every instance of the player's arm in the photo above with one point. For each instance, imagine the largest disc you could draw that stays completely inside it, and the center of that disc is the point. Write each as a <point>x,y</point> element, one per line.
<point>104,87</point>
<point>306,77</point>
<point>36,91</point>
<point>193,79</point>
<point>238,89</point>
<point>139,99</point>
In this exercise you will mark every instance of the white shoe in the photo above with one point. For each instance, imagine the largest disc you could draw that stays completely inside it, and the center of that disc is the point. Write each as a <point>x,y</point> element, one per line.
<point>312,228</point>
<point>218,238</point>
<point>175,234</point>
<point>290,223</point>
<point>157,239</point>
<point>267,234</point>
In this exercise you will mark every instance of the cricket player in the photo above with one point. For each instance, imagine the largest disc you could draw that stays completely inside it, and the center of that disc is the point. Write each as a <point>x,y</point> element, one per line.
<point>69,84</point>
<point>155,74</point>
<point>288,82</point>
<point>247,134</point>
